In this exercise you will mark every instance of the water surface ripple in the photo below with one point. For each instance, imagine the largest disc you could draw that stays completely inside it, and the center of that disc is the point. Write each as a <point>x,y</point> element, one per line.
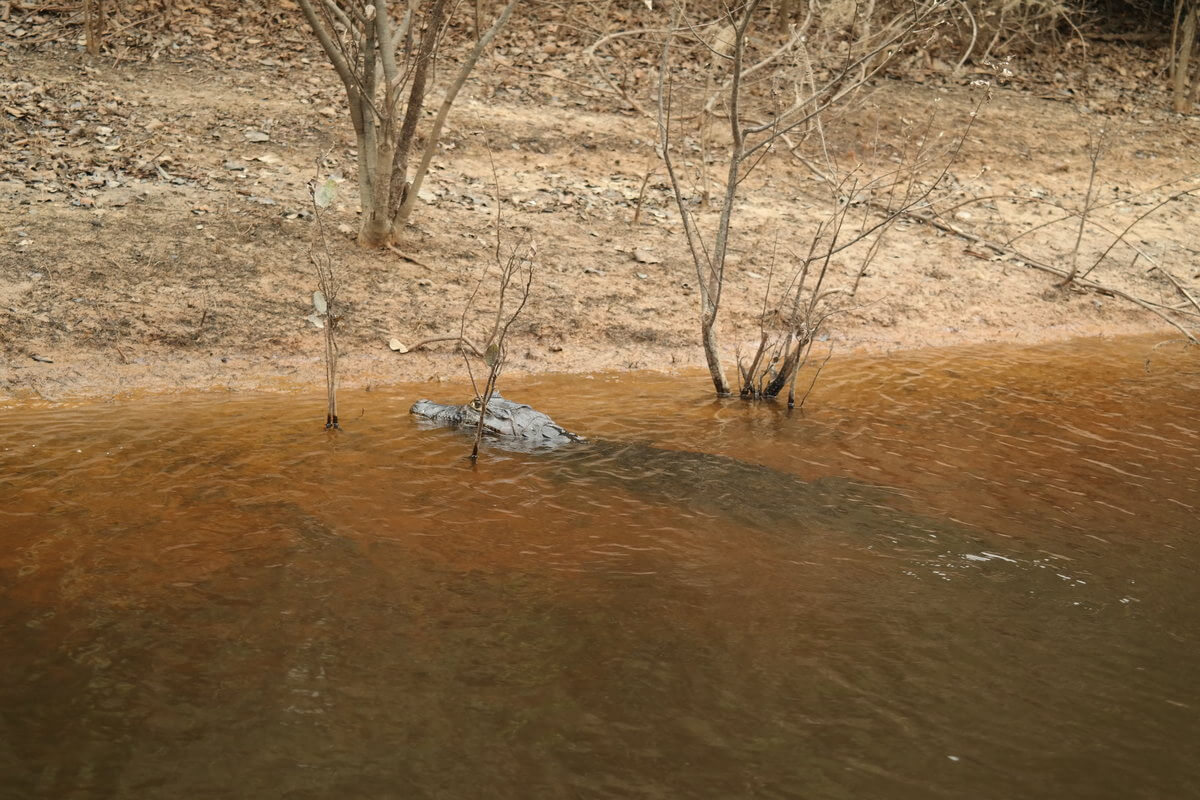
<point>958,574</point>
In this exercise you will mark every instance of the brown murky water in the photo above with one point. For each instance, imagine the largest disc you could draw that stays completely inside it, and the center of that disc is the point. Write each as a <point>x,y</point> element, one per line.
<point>966,574</point>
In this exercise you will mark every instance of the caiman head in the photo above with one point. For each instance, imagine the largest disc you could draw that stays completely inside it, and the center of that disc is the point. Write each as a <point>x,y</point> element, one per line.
<point>514,424</point>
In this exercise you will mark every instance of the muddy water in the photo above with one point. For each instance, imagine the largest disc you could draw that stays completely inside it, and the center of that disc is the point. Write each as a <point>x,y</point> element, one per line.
<point>969,574</point>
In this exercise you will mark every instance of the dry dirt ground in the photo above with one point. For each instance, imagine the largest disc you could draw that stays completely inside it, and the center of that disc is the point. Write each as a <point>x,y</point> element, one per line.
<point>155,221</point>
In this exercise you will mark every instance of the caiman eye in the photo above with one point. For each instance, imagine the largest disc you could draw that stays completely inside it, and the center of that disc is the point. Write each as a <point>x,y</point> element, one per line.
<point>477,403</point>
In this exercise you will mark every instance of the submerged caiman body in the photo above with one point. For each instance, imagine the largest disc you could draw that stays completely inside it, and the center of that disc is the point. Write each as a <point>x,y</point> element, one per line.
<point>746,493</point>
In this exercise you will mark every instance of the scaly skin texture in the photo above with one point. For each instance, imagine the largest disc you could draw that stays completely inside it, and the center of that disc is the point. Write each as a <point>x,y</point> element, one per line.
<point>516,424</point>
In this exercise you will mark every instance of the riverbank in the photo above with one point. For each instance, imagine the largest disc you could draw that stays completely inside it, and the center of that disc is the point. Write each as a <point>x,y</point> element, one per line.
<point>156,228</point>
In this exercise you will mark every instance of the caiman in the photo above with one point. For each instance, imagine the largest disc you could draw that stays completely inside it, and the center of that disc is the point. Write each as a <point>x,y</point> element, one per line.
<point>750,494</point>
<point>515,426</point>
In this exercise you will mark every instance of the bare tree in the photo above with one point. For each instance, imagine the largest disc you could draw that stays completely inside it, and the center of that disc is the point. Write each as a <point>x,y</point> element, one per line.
<point>1183,43</point>
<point>514,282</point>
<point>515,276</point>
<point>815,291</point>
<point>385,54</point>
<point>788,329</point>
<point>95,18</point>
<point>792,106</point>
<point>326,306</point>
<point>1117,252</point>
<point>1181,311</point>
<point>1097,143</point>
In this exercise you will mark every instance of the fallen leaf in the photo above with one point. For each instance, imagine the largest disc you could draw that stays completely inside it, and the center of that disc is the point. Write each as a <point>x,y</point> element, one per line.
<point>42,359</point>
<point>324,194</point>
<point>319,302</point>
<point>316,321</point>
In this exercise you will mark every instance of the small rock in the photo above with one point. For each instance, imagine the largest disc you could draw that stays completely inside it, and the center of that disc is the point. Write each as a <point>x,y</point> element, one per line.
<point>235,165</point>
<point>644,256</point>
<point>640,276</point>
<point>256,136</point>
<point>556,348</point>
<point>594,271</point>
<point>397,346</point>
<point>42,359</point>
<point>424,283</point>
<point>114,198</point>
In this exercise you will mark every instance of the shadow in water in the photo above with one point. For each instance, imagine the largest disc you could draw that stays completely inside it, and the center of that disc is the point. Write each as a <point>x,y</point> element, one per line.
<point>962,574</point>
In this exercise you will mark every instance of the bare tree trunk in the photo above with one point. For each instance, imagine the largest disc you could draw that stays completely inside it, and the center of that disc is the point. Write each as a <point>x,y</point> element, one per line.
<point>398,179</point>
<point>751,138</point>
<point>387,69</point>
<point>786,11</point>
<point>376,228</point>
<point>1195,89</point>
<point>1181,59</point>
<point>716,277</point>
<point>712,354</point>
<point>94,14</point>
<point>435,131</point>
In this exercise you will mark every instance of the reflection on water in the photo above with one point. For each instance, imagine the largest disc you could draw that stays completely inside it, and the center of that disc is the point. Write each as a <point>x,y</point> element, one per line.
<point>958,575</point>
